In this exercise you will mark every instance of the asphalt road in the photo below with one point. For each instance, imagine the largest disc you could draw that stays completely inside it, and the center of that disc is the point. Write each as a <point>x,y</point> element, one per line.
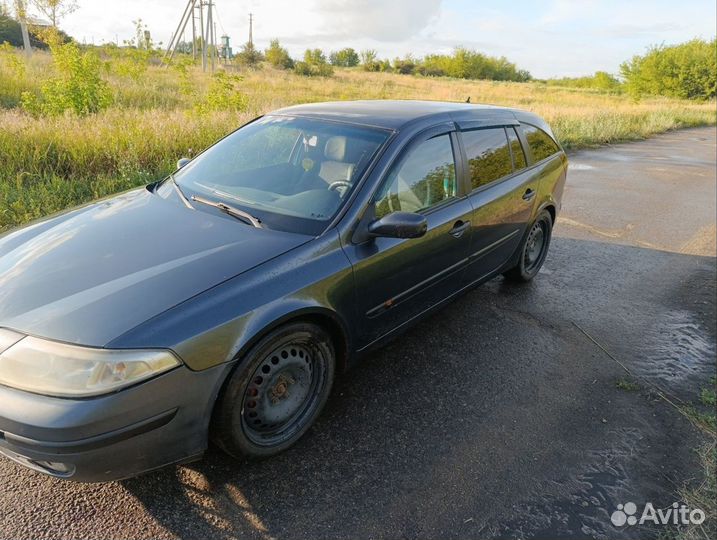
<point>497,417</point>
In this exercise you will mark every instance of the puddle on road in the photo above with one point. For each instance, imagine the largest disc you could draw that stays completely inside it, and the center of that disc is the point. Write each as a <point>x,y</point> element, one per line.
<point>676,350</point>
<point>581,505</point>
<point>579,167</point>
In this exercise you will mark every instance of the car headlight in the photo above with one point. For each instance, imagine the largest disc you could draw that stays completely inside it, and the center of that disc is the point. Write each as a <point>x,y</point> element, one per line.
<point>62,370</point>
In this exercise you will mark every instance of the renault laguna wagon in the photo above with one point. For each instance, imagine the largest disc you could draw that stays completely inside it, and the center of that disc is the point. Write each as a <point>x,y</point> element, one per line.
<point>219,303</point>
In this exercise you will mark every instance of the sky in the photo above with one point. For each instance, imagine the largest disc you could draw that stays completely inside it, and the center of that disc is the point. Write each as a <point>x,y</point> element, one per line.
<point>549,38</point>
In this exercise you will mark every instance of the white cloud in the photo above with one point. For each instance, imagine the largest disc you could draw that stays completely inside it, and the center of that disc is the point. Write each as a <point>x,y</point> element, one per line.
<point>555,37</point>
<point>382,20</point>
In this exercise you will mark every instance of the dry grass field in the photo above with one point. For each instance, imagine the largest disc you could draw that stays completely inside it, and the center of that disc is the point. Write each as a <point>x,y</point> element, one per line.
<point>48,163</point>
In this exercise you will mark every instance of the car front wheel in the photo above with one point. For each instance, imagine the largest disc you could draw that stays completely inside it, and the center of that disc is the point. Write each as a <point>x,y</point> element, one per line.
<point>533,250</point>
<point>276,393</point>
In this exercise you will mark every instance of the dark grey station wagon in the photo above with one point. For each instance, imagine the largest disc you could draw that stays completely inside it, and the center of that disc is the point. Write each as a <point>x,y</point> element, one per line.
<point>219,303</point>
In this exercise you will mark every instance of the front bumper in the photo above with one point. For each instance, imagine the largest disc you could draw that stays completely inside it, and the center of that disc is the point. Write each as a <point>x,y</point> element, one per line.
<point>158,422</point>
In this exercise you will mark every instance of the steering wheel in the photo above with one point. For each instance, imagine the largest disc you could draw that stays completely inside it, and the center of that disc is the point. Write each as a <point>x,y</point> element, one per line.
<point>333,186</point>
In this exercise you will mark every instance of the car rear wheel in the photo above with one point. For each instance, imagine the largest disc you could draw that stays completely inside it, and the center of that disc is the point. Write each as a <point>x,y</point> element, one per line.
<point>276,393</point>
<point>533,250</point>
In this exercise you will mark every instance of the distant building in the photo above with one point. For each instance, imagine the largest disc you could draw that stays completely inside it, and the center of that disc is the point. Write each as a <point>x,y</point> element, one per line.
<point>224,48</point>
<point>37,21</point>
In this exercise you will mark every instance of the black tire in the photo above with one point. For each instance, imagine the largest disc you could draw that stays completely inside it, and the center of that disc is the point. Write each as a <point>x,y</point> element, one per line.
<point>276,393</point>
<point>533,250</point>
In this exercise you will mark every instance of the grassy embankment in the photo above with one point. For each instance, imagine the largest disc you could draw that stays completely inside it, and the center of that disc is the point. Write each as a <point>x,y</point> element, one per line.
<point>50,163</point>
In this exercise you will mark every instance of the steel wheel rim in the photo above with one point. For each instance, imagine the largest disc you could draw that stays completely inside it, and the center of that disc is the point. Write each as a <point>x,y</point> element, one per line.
<point>535,246</point>
<point>283,393</point>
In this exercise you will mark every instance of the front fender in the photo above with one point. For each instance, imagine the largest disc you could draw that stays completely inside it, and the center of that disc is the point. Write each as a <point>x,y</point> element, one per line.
<point>219,325</point>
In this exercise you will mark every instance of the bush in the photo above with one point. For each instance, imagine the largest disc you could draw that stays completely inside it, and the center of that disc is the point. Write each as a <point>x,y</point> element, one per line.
<point>223,95</point>
<point>13,76</point>
<point>688,70</point>
<point>77,85</point>
<point>405,66</point>
<point>370,61</point>
<point>344,58</point>
<point>278,56</point>
<point>314,64</point>
<point>600,81</point>
<point>129,61</point>
<point>468,64</point>
<point>11,60</point>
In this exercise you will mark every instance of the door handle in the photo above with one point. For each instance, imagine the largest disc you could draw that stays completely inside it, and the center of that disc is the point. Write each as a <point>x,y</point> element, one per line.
<point>529,194</point>
<point>459,228</point>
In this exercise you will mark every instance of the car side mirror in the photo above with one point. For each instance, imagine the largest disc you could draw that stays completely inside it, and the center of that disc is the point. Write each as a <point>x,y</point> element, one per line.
<point>182,162</point>
<point>399,225</point>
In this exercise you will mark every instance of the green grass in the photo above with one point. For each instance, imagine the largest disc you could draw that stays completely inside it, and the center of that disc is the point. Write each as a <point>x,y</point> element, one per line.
<point>707,395</point>
<point>50,163</point>
<point>627,385</point>
<point>704,494</point>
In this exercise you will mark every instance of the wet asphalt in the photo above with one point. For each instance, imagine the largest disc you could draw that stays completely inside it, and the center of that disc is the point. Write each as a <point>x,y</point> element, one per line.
<point>498,417</point>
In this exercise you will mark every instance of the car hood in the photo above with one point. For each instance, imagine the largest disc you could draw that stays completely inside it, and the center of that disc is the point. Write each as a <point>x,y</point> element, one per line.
<point>90,275</point>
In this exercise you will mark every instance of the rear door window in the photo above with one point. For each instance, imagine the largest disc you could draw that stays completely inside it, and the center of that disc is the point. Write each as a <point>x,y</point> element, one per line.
<point>541,144</point>
<point>488,155</point>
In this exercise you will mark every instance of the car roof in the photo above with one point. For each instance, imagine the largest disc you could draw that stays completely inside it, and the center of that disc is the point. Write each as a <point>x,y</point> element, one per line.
<point>396,114</point>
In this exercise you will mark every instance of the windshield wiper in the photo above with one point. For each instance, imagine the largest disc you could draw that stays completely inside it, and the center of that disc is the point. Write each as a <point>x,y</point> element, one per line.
<point>180,192</point>
<point>234,212</point>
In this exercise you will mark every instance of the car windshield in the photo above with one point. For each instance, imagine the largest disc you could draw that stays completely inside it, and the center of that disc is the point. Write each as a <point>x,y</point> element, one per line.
<point>292,173</point>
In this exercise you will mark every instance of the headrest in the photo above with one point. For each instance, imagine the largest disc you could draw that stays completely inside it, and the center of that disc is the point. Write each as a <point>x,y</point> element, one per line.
<point>335,149</point>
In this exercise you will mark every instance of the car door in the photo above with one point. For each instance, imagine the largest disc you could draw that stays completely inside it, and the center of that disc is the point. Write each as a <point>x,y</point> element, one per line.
<point>503,195</point>
<point>398,279</point>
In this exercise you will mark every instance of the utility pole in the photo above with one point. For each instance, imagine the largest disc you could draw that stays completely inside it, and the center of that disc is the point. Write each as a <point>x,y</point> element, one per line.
<point>214,39</point>
<point>207,28</point>
<point>174,42</point>
<point>210,32</point>
<point>194,32</point>
<point>204,36</point>
<point>21,12</point>
<point>251,33</point>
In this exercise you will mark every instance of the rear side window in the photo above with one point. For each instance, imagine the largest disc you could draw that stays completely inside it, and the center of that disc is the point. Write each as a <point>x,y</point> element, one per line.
<point>488,155</point>
<point>541,144</point>
<point>517,149</point>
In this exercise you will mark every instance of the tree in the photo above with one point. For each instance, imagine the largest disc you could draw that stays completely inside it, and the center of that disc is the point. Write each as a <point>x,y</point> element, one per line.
<point>345,58</point>
<point>77,85</point>
<point>278,56</point>
<point>314,64</point>
<point>368,56</point>
<point>604,81</point>
<point>143,36</point>
<point>370,61</point>
<point>687,70</point>
<point>55,9</point>
<point>314,56</point>
<point>249,55</point>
